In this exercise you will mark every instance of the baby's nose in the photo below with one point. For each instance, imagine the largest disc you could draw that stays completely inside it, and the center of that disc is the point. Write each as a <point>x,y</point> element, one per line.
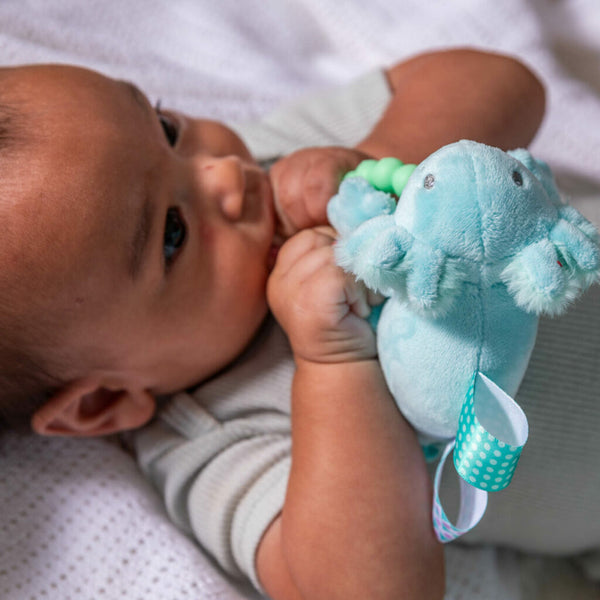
<point>222,184</point>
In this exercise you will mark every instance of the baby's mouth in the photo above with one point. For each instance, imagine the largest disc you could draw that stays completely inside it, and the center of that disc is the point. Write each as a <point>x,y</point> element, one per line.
<point>258,194</point>
<point>272,258</point>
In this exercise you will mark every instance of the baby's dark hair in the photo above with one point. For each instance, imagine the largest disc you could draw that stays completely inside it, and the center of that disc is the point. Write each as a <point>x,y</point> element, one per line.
<point>25,373</point>
<point>24,383</point>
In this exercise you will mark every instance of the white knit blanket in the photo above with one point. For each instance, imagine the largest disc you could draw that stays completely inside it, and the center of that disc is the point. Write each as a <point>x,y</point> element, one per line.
<point>77,520</point>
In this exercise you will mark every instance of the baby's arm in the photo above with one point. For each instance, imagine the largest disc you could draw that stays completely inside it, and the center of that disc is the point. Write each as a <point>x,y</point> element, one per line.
<point>357,516</point>
<point>442,97</point>
<point>437,98</point>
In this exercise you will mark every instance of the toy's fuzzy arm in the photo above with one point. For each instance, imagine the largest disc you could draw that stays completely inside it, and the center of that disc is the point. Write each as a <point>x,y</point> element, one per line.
<point>574,217</point>
<point>356,202</point>
<point>375,253</point>
<point>549,274</point>
<point>537,280</point>
<point>388,259</point>
<point>434,281</point>
<point>577,242</point>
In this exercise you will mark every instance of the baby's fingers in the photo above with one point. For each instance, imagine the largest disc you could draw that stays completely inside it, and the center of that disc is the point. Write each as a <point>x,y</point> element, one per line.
<point>357,297</point>
<point>301,244</point>
<point>375,298</point>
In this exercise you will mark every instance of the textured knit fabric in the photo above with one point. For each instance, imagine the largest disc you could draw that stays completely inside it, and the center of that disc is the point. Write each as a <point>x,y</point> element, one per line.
<point>221,454</point>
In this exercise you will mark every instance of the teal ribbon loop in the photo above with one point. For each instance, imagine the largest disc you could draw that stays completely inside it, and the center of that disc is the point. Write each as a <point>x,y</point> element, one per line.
<point>492,430</point>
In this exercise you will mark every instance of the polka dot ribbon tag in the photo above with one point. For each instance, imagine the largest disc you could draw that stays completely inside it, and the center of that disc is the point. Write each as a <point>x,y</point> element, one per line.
<point>492,430</point>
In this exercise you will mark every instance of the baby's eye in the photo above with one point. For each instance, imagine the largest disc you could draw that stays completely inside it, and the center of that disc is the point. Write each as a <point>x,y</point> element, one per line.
<point>174,236</point>
<point>168,124</point>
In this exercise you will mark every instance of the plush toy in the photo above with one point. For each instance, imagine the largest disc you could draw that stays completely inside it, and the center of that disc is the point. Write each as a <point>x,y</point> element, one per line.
<point>479,244</point>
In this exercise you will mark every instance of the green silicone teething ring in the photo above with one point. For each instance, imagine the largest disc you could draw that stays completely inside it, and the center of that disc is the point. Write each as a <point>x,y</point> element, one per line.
<point>387,174</point>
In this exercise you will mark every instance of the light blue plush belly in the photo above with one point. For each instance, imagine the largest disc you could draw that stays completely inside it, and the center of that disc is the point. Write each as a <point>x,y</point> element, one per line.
<point>428,363</point>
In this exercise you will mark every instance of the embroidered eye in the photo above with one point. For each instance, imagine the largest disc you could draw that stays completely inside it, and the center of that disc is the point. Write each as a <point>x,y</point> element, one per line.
<point>517,178</point>
<point>174,236</point>
<point>168,124</point>
<point>429,181</point>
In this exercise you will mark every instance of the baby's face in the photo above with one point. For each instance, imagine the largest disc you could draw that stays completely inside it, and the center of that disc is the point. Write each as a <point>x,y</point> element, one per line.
<point>149,232</point>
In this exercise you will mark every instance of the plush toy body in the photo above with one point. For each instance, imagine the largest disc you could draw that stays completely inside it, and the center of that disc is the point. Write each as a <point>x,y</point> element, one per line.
<point>479,245</point>
<point>428,363</point>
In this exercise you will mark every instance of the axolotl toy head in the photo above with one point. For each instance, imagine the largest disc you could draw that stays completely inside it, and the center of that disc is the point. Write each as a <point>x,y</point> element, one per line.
<point>467,213</point>
<point>475,202</point>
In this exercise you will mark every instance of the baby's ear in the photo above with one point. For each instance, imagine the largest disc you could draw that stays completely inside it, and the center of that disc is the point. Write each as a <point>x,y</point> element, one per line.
<point>86,408</point>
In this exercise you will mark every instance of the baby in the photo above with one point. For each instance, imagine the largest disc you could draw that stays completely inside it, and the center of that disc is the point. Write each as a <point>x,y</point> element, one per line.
<point>141,252</point>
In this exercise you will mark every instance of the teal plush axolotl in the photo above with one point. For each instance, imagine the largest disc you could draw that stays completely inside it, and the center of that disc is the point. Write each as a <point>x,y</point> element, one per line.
<point>479,245</point>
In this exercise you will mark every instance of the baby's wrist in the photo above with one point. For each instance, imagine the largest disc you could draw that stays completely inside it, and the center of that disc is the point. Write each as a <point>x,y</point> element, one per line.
<point>339,381</point>
<point>340,364</point>
<point>335,354</point>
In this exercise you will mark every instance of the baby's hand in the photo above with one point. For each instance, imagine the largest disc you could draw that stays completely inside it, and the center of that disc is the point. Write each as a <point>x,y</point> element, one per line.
<point>304,181</point>
<point>321,308</point>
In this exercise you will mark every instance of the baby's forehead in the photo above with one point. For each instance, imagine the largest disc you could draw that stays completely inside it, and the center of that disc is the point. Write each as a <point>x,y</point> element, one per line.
<point>64,96</point>
<point>71,186</point>
<point>54,79</point>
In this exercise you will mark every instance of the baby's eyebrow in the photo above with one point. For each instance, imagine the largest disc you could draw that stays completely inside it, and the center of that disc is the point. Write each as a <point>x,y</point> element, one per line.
<point>136,93</point>
<point>143,222</point>
<point>141,237</point>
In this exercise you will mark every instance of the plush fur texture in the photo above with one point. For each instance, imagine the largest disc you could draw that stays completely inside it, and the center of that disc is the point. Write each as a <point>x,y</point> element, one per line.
<point>479,245</point>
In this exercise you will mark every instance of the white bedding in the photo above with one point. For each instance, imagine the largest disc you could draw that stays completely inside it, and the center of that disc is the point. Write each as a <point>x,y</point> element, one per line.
<point>77,519</point>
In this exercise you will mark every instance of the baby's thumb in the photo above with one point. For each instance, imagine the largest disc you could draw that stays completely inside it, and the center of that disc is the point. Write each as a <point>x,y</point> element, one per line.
<point>375,298</point>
